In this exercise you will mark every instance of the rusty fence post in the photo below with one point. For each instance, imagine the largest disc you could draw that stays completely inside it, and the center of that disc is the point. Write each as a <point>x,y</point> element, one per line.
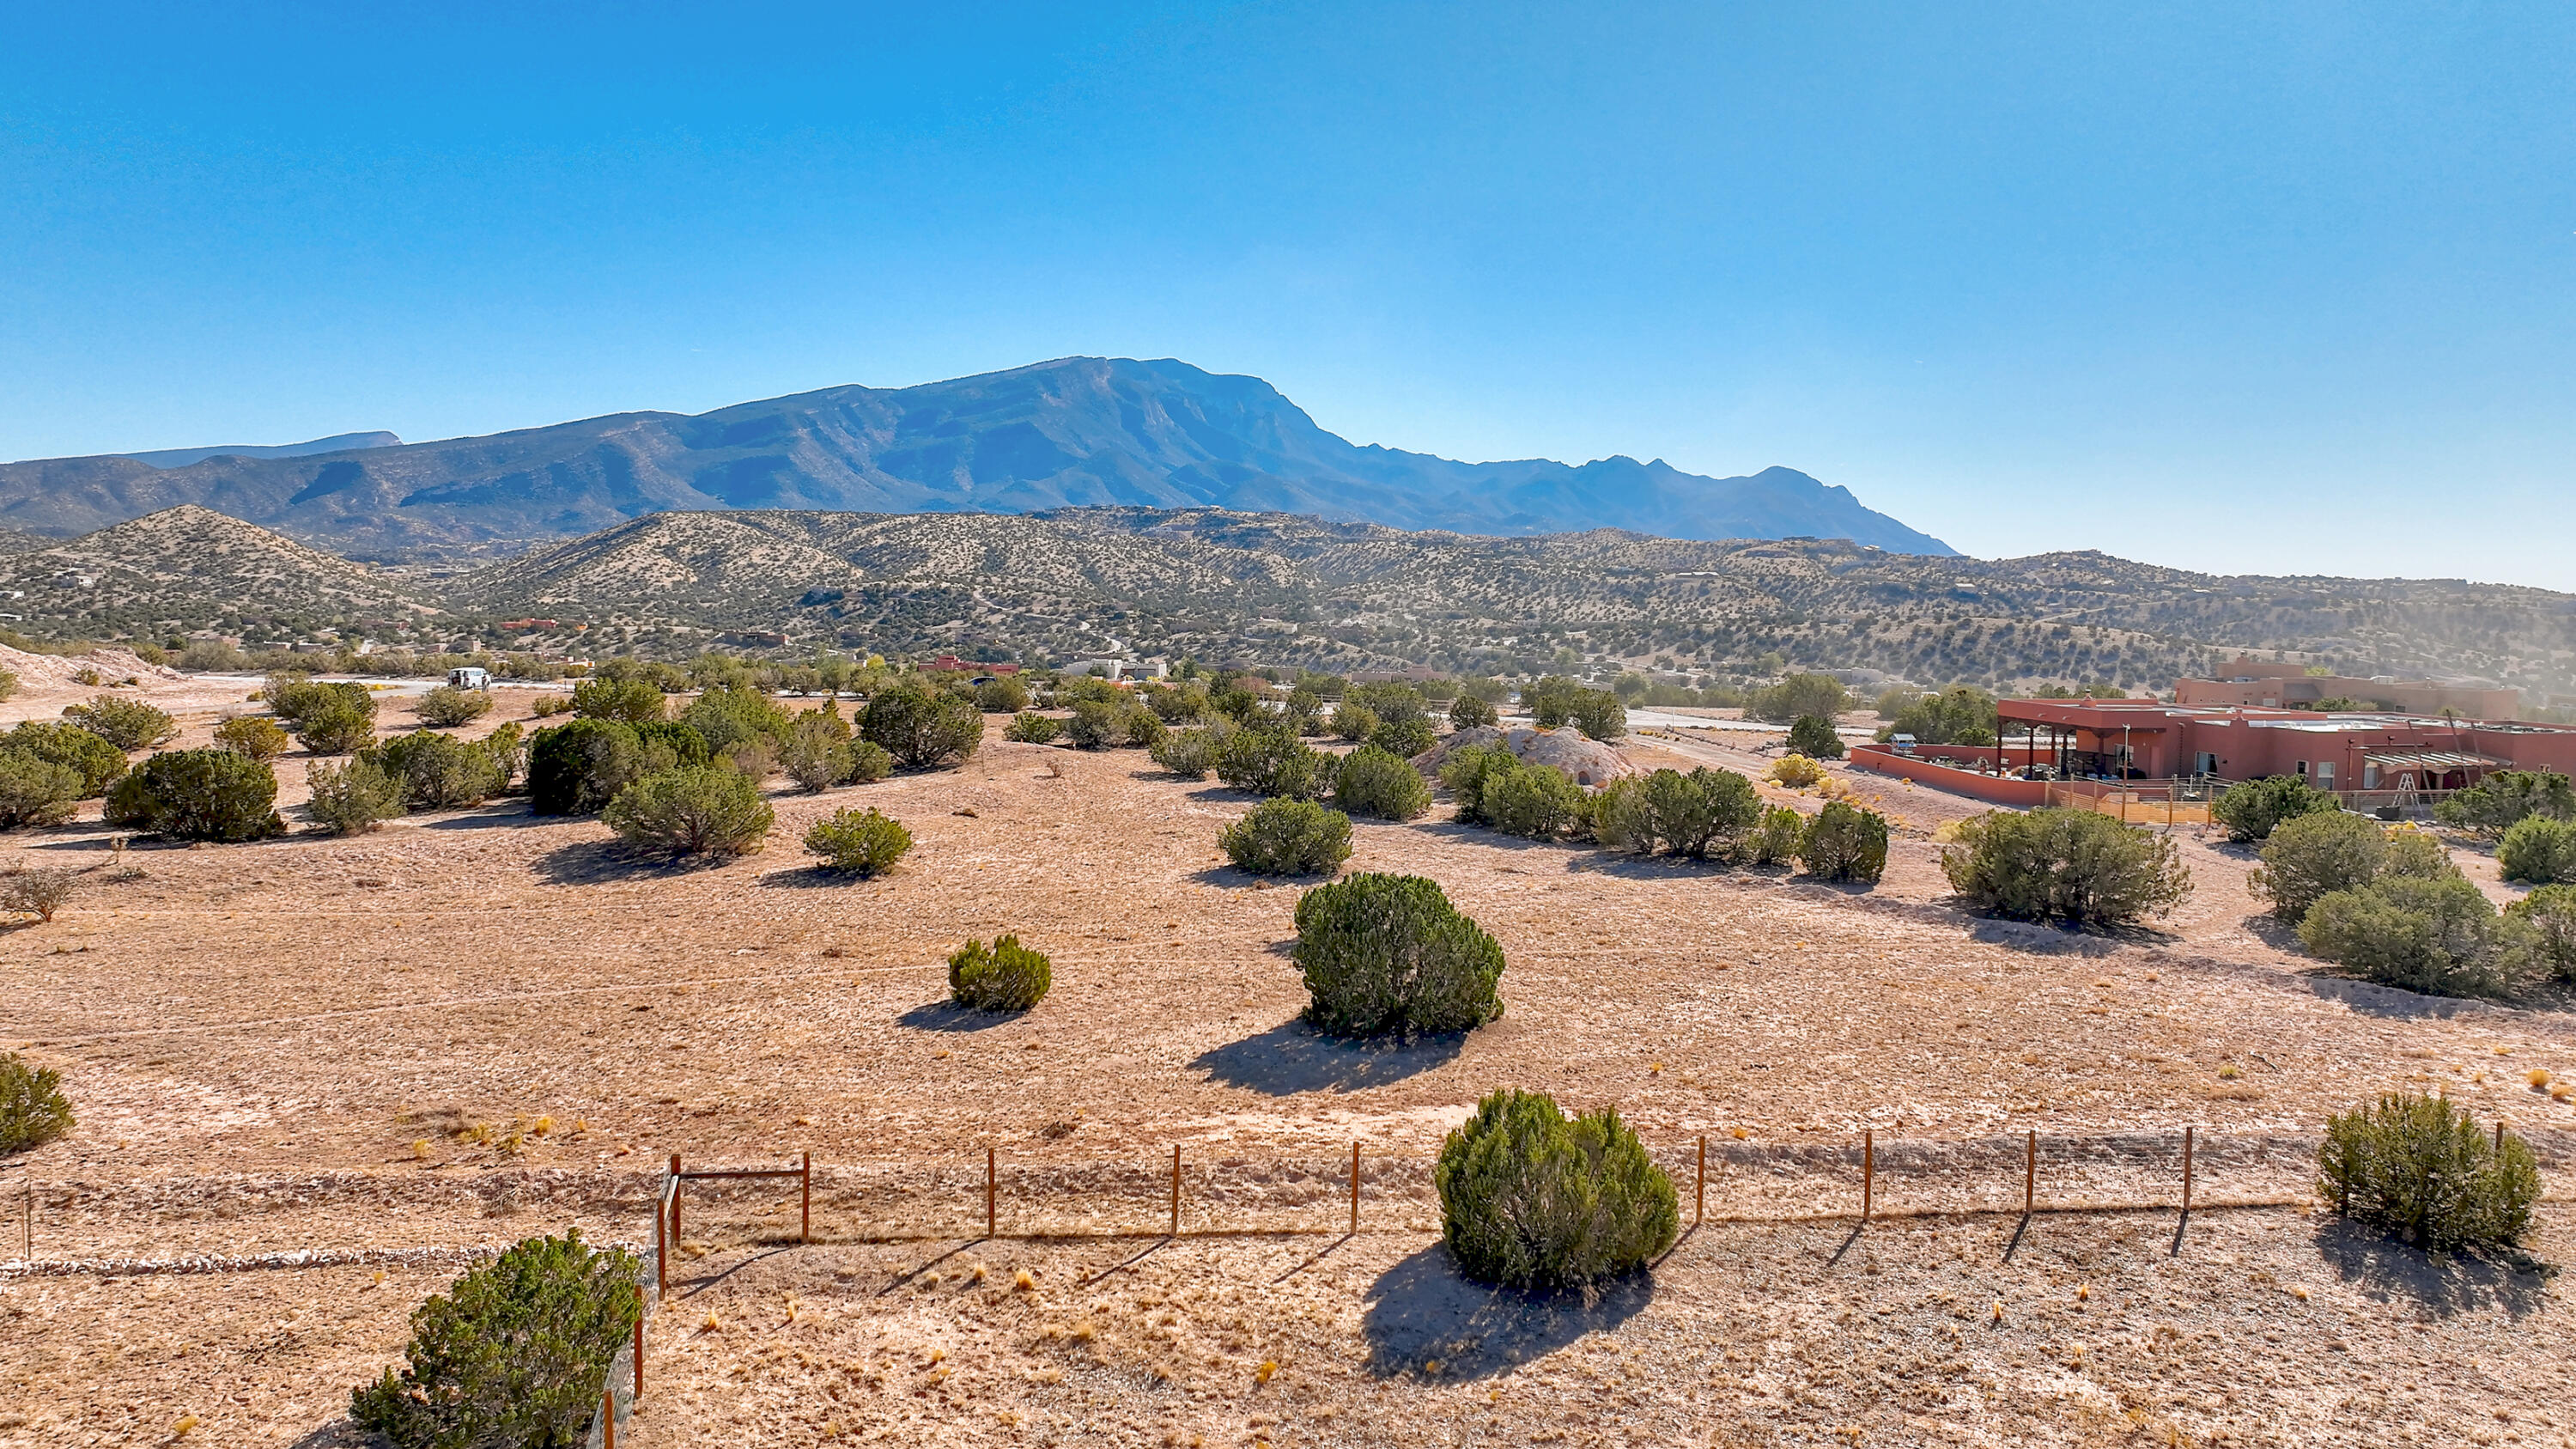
<point>1176,1189</point>
<point>675,1200</point>
<point>2499,1145</point>
<point>639,1341</point>
<point>989,1176</point>
<point>2186,1171</point>
<point>805,1205</point>
<point>1699,1209</point>
<point>608,1415</point>
<point>2030,1174</point>
<point>1868,1170</point>
<point>1355,1189</point>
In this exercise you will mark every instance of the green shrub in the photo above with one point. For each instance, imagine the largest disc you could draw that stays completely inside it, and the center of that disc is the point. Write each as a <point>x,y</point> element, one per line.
<point>2501,800</point>
<point>1796,695</point>
<point>1599,714</point>
<point>2539,850</point>
<point>1706,812</point>
<point>512,1354</point>
<point>1404,738</point>
<point>198,795</point>
<point>577,768</point>
<point>1813,736</point>
<point>1961,715</point>
<point>1529,1199</point>
<point>1373,782</point>
<point>816,754</point>
<point>36,792</point>
<point>2422,1169</point>
<point>704,810</point>
<point>1005,976</point>
<point>1536,802</point>
<point>438,772</point>
<point>128,724</point>
<point>1029,727</point>
<point>921,729</point>
<point>1354,721</point>
<point>98,763</point>
<point>1271,761</point>
<point>33,1110</point>
<point>869,763</point>
<point>2312,856</point>
<point>2549,914</point>
<point>1191,753</point>
<point>448,706</point>
<point>1388,955</point>
<point>339,725</point>
<point>252,735</point>
<point>1465,771</point>
<point>1142,728</point>
<point>2074,865</point>
<point>8,684</point>
<point>631,701</point>
<point>2442,937</point>
<point>1288,837</point>
<point>1001,696</point>
<point>352,798</point>
<point>1844,842</point>
<point>1467,712</point>
<point>670,745</point>
<point>2252,809</point>
<point>728,717</point>
<point>1096,724</point>
<point>1775,840</point>
<point>861,842</point>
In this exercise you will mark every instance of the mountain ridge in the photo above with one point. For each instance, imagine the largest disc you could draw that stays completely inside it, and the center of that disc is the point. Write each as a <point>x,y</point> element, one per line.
<point>1069,432</point>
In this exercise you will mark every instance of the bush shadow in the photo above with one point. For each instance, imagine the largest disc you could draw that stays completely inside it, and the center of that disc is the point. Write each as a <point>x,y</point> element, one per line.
<point>1421,1312</point>
<point>1293,1057</point>
<point>2444,1285</point>
<point>2274,932</point>
<point>1230,877</point>
<point>2396,1002</point>
<point>2056,938</point>
<point>948,1016</point>
<point>596,862</point>
<point>501,815</point>
<point>813,877</point>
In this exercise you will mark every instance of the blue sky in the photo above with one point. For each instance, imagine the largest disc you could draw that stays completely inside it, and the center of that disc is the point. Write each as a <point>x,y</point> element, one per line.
<point>2281,288</point>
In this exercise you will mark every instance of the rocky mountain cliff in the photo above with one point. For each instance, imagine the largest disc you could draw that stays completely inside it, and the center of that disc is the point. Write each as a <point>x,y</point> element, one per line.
<point>1075,432</point>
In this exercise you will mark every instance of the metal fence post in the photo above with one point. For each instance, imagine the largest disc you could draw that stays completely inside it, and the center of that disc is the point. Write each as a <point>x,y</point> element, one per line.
<point>988,1191</point>
<point>1868,1171</point>
<point>805,1206</point>
<point>1176,1189</point>
<point>2030,1174</point>
<point>1355,1189</point>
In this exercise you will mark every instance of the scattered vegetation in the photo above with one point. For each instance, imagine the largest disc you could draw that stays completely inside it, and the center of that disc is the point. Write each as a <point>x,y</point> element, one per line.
<point>1096,724</point>
<point>37,891</point>
<point>1288,837</point>
<point>817,753</point>
<point>198,795</point>
<point>128,724</point>
<point>2072,865</point>
<point>1531,1199</point>
<point>697,810</point>
<point>352,798</point>
<point>1813,736</point>
<point>1845,842</point>
<point>1774,839</point>
<point>2504,799</point>
<point>1029,727</point>
<point>441,772</point>
<point>514,1353</point>
<point>1467,712</point>
<point>2311,856</point>
<point>36,792</point>
<point>1388,955</point>
<point>1961,715</point>
<point>632,701</point>
<point>98,763</point>
<point>577,768</point>
<point>2438,935</point>
<point>1191,753</point>
<point>1797,695</point>
<point>1372,781</point>
<point>1698,815</point>
<point>1269,760</point>
<point>2421,1169</point>
<point>2549,914</point>
<point>448,706</point>
<point>1001,695</point>
<point>1005,976</point>
<point>2538,850</point>
<point>922,729</point>
<point>33,1110</point>
<point>2252,809</point>
<point>252,735</point>
<point>859,842</point>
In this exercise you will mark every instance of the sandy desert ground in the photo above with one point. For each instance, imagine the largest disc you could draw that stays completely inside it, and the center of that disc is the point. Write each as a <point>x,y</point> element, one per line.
<point>476,1025</point>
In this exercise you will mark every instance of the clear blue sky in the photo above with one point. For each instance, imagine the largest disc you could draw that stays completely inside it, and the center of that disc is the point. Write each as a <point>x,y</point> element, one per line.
<point>2277,288</point>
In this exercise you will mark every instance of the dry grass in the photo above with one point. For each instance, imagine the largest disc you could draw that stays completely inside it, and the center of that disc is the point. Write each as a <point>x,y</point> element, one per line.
<point>377,1040</point>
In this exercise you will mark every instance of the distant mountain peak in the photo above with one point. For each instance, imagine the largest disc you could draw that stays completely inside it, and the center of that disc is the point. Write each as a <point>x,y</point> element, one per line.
<point>1067,432</point>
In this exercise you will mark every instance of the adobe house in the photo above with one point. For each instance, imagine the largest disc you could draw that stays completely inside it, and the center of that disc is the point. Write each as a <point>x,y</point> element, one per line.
<point>2268,685</point>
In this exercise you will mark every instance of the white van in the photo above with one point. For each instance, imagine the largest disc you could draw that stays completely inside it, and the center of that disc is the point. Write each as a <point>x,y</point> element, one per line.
<point>469,677</point>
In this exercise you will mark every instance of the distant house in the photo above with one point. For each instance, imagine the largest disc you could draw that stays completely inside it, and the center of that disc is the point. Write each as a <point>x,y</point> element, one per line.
<point>2264,684</point>
<point>753,639</point>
